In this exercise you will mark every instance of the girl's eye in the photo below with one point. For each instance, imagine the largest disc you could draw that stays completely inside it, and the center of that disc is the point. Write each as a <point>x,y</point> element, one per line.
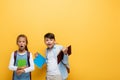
<point>19,41</point>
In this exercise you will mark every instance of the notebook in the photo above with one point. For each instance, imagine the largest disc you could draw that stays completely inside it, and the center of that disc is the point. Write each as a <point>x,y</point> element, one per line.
<point>39,60</point>
<point>61,54</point>
<point>22,62</point>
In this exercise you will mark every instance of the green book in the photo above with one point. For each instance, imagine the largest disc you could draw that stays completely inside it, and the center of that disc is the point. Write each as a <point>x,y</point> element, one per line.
<point>22,62</point>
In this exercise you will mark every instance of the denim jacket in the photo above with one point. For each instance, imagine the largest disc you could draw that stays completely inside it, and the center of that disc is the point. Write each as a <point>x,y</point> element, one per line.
<point>56,49</point>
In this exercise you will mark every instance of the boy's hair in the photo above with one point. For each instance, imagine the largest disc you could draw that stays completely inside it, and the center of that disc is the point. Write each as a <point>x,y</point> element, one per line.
<point>22,35</point>
<point>49,35</point>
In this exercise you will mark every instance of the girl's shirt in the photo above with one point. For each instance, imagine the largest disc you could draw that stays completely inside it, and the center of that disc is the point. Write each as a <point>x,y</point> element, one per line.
<point>14,67</point>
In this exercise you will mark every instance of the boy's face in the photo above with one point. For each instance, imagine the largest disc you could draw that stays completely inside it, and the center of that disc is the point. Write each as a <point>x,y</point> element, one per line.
<point>49,42</point>
<point>21,43</point>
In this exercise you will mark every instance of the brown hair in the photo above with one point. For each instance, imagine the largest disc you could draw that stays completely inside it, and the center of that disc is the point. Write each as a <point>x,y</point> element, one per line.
<point>22,35</point>
<point>49,35</point>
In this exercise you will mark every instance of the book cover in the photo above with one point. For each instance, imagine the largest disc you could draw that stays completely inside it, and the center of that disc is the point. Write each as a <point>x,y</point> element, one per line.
<point>61,54</point>
<point>22,62</point>
<point>39,61</point>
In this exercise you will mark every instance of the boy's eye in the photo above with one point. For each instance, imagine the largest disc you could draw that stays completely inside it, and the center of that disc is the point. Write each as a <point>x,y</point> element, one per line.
<point>50,39</point>
<point>47,40</point>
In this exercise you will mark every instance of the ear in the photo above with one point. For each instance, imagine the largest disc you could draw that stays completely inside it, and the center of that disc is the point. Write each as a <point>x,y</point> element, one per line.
<point>55,42</point>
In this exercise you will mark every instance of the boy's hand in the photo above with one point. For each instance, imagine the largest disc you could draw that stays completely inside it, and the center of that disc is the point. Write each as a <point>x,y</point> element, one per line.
<point>36,54</point>
<point>19,72</point>
<point>65,50</point>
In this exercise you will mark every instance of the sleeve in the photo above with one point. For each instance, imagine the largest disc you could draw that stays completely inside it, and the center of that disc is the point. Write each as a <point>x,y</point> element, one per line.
<point>31,68</point>
<point>59,48</point>
<point>66,59</point>
<point>11,63</point>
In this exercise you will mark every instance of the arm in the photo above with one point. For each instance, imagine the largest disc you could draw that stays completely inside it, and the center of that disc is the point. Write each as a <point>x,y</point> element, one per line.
<point>11,64</point>
<point>31,68</point>
<point>65,57</point>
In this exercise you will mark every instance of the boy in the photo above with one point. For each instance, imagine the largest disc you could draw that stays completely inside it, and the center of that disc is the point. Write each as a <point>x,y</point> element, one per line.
<point>55,70</point>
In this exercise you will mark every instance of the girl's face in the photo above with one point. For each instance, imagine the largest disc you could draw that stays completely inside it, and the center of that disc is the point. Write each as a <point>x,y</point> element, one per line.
<point>49,42</point>
<point>21,43</point>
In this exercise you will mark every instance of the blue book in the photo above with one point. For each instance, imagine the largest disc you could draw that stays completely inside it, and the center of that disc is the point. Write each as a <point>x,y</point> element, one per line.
<point>39,61</point>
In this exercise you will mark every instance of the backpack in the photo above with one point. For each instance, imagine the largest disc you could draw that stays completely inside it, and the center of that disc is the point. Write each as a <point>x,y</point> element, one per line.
<point>60,58</point>
<point>68,69</point>
<point>28,57</point>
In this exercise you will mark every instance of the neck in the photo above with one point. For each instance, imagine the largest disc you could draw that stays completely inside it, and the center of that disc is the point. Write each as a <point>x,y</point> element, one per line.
<point>21,51</point>
<point>51,47</point>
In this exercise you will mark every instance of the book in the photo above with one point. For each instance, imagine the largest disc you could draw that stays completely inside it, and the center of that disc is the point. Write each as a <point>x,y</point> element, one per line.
<point>39,60</point>
<point>69,50</point>
<point>22,62</point>
<point>61,54</point>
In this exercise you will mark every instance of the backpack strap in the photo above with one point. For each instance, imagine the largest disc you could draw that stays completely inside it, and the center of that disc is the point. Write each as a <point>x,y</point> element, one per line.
<point>68,69</point>
<point>15,55</point>
<point>28,60</point>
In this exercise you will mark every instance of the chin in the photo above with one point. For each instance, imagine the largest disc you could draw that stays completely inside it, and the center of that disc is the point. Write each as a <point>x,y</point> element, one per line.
<point>50,47</point>
<point>21,49</point>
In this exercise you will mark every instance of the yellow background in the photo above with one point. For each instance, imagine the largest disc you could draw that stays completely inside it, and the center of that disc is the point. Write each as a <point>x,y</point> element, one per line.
<point>92,27</point>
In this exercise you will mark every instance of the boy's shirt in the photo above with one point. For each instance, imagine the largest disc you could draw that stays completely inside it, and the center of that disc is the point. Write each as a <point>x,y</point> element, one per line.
<point>51,59</point>
<point>60,67</point>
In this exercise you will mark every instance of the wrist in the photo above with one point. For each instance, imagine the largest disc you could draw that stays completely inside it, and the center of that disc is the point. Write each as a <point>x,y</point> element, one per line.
<point>23,71</point>
<point>65,53</point>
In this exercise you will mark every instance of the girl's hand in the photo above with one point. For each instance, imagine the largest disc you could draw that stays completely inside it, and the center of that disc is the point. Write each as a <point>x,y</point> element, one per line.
<point>19,68</point>
<point>36,54</point>
<point>65,50</point>
<point>19,72</point>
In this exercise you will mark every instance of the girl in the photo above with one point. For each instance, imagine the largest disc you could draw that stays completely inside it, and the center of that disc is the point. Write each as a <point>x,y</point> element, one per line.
<point>21,62</point>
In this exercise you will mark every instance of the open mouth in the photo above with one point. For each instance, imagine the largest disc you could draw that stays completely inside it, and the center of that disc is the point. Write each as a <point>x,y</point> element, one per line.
<point>21,46</point>
<point>48,44</point>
